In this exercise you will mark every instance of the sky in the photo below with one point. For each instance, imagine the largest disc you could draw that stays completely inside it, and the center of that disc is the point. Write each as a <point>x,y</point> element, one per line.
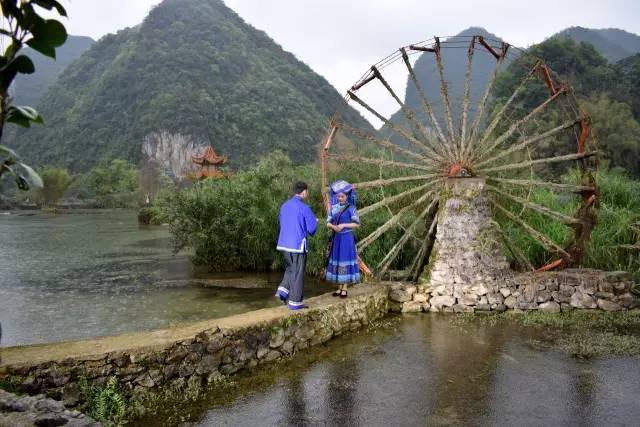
<point>341,39</point>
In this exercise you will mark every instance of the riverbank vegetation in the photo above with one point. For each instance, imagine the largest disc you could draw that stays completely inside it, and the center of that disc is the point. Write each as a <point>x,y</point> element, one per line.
<point>581,333</point>
<point>232,223</point>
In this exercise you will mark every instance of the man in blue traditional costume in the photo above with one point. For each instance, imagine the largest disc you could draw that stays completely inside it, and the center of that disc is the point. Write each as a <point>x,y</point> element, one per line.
<point>296,222</point>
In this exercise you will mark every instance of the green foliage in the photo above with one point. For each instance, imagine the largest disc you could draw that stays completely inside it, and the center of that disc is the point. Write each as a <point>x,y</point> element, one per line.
<point>582,333</point>
<point>232,223</point>
<point>606,91</point>
<point>23,25</point>
<point>193,68</point>
<point>56,182</point>
<point>615,241</point>
<point>114,184</point>
<point>627,88</point>
<point>617,133</point>
<point>105,404</point>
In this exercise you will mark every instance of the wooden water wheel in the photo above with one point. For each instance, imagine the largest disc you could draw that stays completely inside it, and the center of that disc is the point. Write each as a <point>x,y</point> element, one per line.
<point>531,145</point>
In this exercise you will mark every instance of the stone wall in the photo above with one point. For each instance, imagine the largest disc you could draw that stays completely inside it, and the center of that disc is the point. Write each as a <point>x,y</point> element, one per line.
<point>552,291</point>
<point>192,356</point>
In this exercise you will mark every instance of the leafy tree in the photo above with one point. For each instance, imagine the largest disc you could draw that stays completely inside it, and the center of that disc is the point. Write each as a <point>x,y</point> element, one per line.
<point>24,26</point>
<point>115,184</point>
<point>617,133</point>
<point>56,182</point>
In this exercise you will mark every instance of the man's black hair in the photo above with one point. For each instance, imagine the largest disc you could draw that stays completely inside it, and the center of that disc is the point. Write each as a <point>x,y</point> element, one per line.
<point>299,187</point>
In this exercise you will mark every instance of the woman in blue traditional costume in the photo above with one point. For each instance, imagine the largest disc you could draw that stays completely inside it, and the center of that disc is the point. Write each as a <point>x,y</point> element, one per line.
<point>342,267</point>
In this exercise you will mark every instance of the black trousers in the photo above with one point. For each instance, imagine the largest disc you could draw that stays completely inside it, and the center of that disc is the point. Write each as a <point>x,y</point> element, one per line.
<point>293,280</point>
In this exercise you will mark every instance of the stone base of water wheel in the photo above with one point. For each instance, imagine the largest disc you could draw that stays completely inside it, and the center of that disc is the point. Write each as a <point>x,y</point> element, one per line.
<point>466,267</point>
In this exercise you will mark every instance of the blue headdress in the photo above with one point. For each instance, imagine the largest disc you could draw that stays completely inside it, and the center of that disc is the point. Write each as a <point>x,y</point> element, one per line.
<point>342,186</point>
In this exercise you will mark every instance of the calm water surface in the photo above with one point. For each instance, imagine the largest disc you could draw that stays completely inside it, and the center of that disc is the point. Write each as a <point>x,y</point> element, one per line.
<point>79,275</point>
<point>425,371</point>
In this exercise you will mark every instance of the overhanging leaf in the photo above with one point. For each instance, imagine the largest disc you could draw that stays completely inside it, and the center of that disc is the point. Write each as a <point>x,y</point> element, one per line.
<point>42,46</point>
<point>8,152</point>
<point>32,176</point>
<point>49,4</point>
<point>23,116</point>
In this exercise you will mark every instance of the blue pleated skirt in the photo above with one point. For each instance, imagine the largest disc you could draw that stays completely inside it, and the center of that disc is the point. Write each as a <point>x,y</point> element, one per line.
<point>343,260</point>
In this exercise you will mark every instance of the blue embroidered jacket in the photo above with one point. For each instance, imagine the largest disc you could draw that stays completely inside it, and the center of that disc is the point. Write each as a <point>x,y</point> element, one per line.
<point>296,221</point>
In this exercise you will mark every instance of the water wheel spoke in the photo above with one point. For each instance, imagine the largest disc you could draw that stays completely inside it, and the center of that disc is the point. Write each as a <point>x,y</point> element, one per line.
<point>477,119</point>
<point>546,160</point>
<point>503,109</point>
<point>430,154</point>
<point>362,244</point>
<point>395,250</point>
<point>543,240</point>
<point>523,121</point>
<point>467,95</point>
<point>390,181</point>
<point>388,200</point>
<point>550,213</point>
<point>527,142</point>
<point>571,188</point>
<point>425,248</point>
<point>386,144</point>
<point>515,250</point>
<point>380,162</point>
<point>408,113</point>
<point>426,106</point>
<point>444,92</point>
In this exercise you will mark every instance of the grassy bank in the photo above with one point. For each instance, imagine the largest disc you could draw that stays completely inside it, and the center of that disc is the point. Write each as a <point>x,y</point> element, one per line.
<point>581,333</point>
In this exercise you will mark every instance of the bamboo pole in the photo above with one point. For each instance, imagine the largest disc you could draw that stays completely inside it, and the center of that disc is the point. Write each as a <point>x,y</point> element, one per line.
<point>518,123</point>
<point>382,182</point>
<point>386,201</point>
<point>524,144</point>
<point>565,219</point>
<point>362,244</point>
<point>395,250</point>
<point>395,147</point>
<point>552,185</point>
<point>546,160</point>
<point>467,95</point>
<point>427,246</point>
<point>396,129</point>
<point>408,113</point>
<point>483,101</point>
<point>546,243</point>
<point>444,92</point>
<point>426,106</point>
<point>380,162</point>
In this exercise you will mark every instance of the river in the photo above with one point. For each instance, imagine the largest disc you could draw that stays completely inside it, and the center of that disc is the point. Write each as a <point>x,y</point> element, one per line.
<point>424,370</point>
<point>77,275</point>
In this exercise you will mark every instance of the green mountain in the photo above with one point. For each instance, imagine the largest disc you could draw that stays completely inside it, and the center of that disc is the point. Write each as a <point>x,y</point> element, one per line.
<point>612,43</point>
<point>29,88</point>
<point>192,73</point>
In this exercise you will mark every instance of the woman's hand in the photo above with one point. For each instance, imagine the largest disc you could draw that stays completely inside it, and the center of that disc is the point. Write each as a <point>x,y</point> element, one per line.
<point>339,227</point>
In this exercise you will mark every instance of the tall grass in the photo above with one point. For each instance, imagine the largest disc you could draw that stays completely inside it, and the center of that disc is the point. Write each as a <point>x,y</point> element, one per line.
<point>615,241</point>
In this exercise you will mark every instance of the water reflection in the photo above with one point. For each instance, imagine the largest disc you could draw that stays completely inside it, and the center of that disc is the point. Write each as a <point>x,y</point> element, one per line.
<point>427,372</point>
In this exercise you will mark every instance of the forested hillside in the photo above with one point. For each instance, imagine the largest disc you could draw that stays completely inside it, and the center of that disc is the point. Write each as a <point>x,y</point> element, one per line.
<point>193,71</point>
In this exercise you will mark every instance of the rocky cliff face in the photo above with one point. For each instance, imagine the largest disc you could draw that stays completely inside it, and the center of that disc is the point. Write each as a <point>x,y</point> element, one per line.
<point>172,151</point>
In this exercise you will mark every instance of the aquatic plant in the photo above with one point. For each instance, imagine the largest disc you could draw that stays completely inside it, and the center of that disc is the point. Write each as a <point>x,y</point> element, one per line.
<point>105,404</point>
